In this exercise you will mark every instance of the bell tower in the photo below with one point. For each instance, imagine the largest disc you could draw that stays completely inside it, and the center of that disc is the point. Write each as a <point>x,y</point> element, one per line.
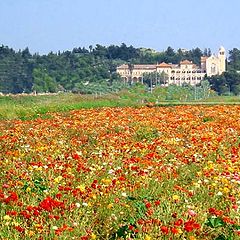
<point>222,60</point>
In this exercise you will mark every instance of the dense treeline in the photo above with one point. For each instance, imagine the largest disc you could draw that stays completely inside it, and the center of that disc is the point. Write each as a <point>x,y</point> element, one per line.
<point>94,69</point>
<point>76,70</point>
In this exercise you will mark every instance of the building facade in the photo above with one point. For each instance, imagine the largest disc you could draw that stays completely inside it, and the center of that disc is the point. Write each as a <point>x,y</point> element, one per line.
<point>184,72</point>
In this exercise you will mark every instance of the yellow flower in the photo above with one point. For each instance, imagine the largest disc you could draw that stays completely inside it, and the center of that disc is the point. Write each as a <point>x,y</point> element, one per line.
<point>93,236</point>
<point>106,181</point>
<point>7,217</point>
<point>39,168</point>
<point>147,237</point>
<point>81,188</point>
<point>110,205</point>
<point>180,231</point>
<point>226,190</point>
<point>30,233</point>
<point>192,238</point>
<point>176,197</point>
<point>15,223</point>
<point>20,183</point>
<point>58,179</point>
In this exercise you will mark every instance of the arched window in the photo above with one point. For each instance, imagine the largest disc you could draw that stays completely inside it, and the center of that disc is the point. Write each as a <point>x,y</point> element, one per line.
<point>213,68</point>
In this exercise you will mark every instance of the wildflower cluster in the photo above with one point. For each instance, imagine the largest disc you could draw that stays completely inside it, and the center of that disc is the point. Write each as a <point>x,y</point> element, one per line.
<point>122,173</point>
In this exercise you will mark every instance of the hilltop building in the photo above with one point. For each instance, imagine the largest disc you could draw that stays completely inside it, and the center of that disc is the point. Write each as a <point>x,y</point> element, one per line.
<point>184,72</point>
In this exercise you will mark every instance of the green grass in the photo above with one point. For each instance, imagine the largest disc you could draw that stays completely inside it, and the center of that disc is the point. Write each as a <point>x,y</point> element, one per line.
<point>31,107</point>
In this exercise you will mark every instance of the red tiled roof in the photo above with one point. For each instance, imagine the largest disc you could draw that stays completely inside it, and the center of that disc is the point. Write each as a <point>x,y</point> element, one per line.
<point>164,65</point>
<point>123,66</point>
<point>186,62</point>
<point>138,66</point>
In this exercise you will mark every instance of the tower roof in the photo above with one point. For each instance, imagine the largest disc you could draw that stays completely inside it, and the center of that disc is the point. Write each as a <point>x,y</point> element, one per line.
<point>221,49</point>
<point>186,62</point>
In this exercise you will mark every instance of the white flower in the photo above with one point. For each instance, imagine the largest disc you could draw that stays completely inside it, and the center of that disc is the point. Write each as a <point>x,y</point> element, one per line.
<point>77,205</point>
<point>124,194</point>
<point>111,171</point>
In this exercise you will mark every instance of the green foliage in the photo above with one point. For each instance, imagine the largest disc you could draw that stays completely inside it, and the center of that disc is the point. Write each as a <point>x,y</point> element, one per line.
<point>234,57</point>
<point>93,71</point>
<point>227,83</point>
<point>67,71</point>
<point>146,133</point>
<point>15,70</point>
<point>42,82</point>
<point>72,70</point>
<point>154,79</point>
<point>215,222</point>
<point>208,119</point>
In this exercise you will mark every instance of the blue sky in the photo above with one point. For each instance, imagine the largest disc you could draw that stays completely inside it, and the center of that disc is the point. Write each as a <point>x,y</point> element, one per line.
<point>52,25</point>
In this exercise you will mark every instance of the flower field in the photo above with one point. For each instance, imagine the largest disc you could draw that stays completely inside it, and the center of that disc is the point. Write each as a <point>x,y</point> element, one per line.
<point>122,173</point>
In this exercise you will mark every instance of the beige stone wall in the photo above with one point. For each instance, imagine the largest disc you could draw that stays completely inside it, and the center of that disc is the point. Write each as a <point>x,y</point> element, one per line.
<point>174,75</point>
<point>212,64</point>
<point>222,60</point>
<point>216,64</point>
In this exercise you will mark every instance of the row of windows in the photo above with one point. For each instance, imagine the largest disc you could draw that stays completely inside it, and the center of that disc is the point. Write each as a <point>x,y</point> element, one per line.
<point>188,78</point>
<point>198,71</point>
<point>134,72</point>
<point>173,71</point>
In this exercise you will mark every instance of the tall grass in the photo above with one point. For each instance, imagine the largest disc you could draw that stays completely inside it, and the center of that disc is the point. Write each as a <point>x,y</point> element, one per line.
<point>28,107</point>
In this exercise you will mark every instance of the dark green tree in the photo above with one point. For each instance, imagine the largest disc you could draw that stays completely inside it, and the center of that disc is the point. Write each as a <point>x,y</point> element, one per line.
<point>234,59</point>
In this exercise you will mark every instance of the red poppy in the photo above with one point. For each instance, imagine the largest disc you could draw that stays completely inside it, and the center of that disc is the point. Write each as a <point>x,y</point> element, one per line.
<point>191,225</point>
<point>49,204</point>
<point>13,197</point>
<point>164,229</point>
<point>179,222</point>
